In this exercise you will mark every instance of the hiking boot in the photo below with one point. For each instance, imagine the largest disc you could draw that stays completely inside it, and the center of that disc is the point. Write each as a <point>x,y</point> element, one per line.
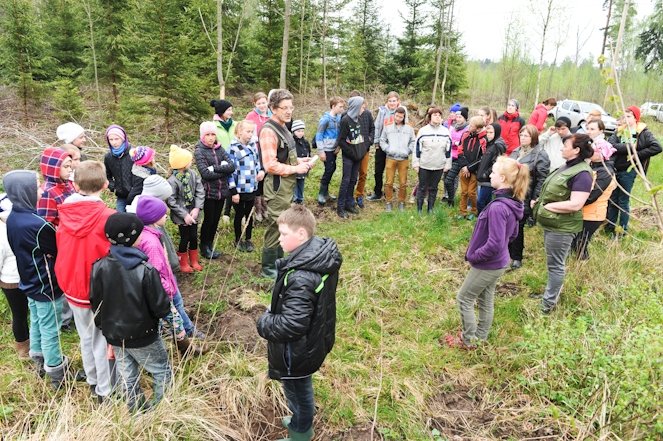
<point>23,349</point>
<point>516,264</point>
<point>342,214</point>
<point>207,251</point>
<point>374,197</point>
<point>352,209</point>
<point>387,207</point>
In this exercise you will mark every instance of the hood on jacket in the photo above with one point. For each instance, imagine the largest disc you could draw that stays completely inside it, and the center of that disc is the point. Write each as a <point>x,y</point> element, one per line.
<point>319,255</point>
<point>498,130</point>
<point>21,187</point>
<point>5,207</point>
<point>516,206</point>
<point>79,219</point>
<point>51,161</point>
<point>129,257</point>
<point>354,106</point>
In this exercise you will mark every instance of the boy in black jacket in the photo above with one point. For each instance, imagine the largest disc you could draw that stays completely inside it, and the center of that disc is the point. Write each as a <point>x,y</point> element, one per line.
<point>303,151</point>
<point>128,299</point>
<point>300,324</point>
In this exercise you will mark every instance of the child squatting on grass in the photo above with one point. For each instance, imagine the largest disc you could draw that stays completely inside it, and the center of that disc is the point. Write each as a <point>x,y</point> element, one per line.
<point>488,253</point>
<point>300,323</point>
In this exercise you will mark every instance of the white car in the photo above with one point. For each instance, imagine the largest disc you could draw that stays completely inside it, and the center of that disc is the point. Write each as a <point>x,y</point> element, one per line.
<point>659,115</point>
<point>650,109</point>
<point>577,112</point>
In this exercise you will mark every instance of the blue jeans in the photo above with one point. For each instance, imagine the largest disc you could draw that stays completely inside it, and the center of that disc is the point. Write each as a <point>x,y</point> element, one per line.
<point>299,191</point>
<point>45,320</point>
<point>121,205</point>
<point>154,359</point>
<point>330,168</point>
<point>619,206</point>
<point>348,182</point>
<point>299,395</point>
<point>178,301</point>
<point>485,196</point>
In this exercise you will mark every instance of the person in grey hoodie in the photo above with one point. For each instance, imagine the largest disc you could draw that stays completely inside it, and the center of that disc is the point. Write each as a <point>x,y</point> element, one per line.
<point>397,142</point>
<point>353,147</point>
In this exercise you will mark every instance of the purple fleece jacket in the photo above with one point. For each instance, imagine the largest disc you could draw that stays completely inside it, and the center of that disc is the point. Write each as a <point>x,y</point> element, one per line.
<point>496,226</point>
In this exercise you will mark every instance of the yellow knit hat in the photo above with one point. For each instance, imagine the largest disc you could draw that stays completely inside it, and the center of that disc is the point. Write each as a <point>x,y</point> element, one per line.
<point>179,157</point>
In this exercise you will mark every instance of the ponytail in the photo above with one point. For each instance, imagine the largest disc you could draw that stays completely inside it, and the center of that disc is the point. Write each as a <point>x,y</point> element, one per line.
<point>516,174</point>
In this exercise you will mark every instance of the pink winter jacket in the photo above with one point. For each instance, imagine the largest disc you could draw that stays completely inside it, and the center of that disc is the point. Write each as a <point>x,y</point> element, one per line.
<point>150,244</point>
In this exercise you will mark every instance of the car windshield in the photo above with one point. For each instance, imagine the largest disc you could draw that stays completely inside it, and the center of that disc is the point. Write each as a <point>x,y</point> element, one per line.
<point>588,107</point>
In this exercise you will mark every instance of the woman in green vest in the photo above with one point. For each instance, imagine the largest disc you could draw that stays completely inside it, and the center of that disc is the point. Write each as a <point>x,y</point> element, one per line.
<point>559,211</point>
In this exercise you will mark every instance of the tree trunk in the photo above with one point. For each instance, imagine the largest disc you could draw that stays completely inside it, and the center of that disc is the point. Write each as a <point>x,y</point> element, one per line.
<point>239,29</point>
<point>546,25</point>
<point>301,46</point>
<point>286,38</point>
<point>438,58</point>
<point>324,47</point>
<point>605,36</point>
<point>446,58</point>
<point>219,49</point>
<point>88,12</point>
<point>308,53</point>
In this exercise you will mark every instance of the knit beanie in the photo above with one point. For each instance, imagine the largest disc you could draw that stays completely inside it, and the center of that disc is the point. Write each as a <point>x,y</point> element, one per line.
<point>123,229</point>
<point>207,127</point>
<point>636,112</point>
<point>220,106</point>
<point>563,121</point>
<point>150,209</point>
<point>67,132</point>
<point>117,131</point>
<point>297,124</point>
<point>141,155</point>
<point>179,157</point>
<point>157,186</point>
<point>455,108</point>
<point>464,112</point>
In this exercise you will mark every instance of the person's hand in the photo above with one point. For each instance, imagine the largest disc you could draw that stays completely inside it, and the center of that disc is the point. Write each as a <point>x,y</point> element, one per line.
<point>261,175</point>
<point>224,163</point>
<point>446,169</point>
<point>416,169</point>
<point>322,155</point>
<point>302,168</point>
<point>189,220</point>
<point>552,129</point>
<point>532,203</point>
<point>235,199</point>
<point>194,213</point>
<point>210,168</point>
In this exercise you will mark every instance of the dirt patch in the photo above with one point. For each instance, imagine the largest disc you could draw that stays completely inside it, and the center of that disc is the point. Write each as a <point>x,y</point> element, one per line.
<point>239,327</point>
<point>355,434</point>
<point>508,289</point>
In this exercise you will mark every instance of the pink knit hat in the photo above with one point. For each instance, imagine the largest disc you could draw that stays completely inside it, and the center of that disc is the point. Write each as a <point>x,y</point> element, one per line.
<point>141,155</point>
<point>117,131</point>
<point>207,127</point>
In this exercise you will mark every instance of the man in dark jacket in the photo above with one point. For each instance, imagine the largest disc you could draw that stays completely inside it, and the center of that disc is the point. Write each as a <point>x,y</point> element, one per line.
<point>634,136</point>
<point>128,299</point>
<point>300,324</point>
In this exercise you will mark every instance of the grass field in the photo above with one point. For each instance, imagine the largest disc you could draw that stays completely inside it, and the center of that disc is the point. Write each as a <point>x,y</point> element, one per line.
<point>590,370</point>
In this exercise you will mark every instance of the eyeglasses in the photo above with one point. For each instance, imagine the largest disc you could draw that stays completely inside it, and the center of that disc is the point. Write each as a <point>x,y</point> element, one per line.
<point>286,108</point>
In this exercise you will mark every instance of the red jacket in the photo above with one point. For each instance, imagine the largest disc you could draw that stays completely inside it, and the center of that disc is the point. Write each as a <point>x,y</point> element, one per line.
<point>511,124</point>
<point>81,241</point>
<point>538,117</point>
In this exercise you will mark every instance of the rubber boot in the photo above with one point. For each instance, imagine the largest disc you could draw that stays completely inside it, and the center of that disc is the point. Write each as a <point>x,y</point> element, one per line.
<point>58,374</point>
<point>208,252</point>
<point>23,349</point>
<point>269,256</point>
<point>431,204</point>
<point>322,194</point>
<point>38,360</point>
<point>297,436</point>
<point>420,205</point>
<point>187,348</point>
<point>195,264</point>
<point>184,263</point>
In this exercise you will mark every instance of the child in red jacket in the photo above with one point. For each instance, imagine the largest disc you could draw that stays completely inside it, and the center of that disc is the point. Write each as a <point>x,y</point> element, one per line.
<point>81,241</point>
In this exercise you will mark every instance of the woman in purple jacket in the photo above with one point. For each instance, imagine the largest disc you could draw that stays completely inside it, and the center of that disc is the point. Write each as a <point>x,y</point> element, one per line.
<point>488,251</point>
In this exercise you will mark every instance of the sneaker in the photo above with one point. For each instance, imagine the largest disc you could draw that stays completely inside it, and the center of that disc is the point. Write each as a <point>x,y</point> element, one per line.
<point>516,264</point>
<point>536,295</point>
<point>401,206</point>
<point>545,309</point>
<point>412,200</point>
<point>470,217</point>
<point>459,217</point>
<point>249,247</point>
<point>387,207</point>
<point>352,209</point>
<point>374,197</point>
<point>360,201</point>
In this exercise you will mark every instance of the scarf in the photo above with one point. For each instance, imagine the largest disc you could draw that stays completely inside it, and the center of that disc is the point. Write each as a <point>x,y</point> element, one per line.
<point>267,114</point>
<point>117,152</point>
<point>185,179</point>
<point>525,150</point>
<point>225,124</point>
<point>511,116</point>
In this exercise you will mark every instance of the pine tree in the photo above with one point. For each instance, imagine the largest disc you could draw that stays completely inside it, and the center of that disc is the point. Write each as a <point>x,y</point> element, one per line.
<point>650,45</point>
<point>407,57</point>
<point>365,47</point>
<point>110,18</point>
<point>62,21</point>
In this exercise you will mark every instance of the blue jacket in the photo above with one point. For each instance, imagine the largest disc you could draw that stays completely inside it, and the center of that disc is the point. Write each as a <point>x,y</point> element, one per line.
<point>327,134</point>
<point>247,166</point>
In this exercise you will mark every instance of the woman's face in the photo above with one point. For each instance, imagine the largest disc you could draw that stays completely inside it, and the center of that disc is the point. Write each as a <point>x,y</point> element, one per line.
<point>490,132</point>
<point>485,116</point>
<point>392,103</point>
<point>227,114</point>
<point>436,119</point>
<point>525,138</point>
<point>511,107</point>
<point>593,130</point>
<point>261,105</point>
<point>568,152</point>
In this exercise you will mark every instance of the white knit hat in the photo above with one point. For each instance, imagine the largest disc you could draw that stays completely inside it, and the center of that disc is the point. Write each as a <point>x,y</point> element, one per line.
<point>67,132</point>
<point>157,186</point>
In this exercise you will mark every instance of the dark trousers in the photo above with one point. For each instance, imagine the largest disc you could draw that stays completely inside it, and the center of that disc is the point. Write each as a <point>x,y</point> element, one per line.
<point>485,196</point>
<point>299,396</point>
<point>227,205</point>
<point>242,210</point>
<point>188,237</point>
<point>18,304</point>
<point>330,168</point>
<point>380,163</point>
<point>429,180</point>
<point>619,205</point>
<point>580,243</point>
<point>451,181</point>
<point>299,191</point>
<point>517,245</point>
<point>348,182</point>
<point>211,215</point>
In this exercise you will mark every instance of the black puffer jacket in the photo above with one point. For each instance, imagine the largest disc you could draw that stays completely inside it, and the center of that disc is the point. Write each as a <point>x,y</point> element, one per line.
<point>300,327</point>
<point>127,297</point>
<point>646,146</point>
<point>118,173</point>
<point>494,149</point>
<point>216,181</point>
